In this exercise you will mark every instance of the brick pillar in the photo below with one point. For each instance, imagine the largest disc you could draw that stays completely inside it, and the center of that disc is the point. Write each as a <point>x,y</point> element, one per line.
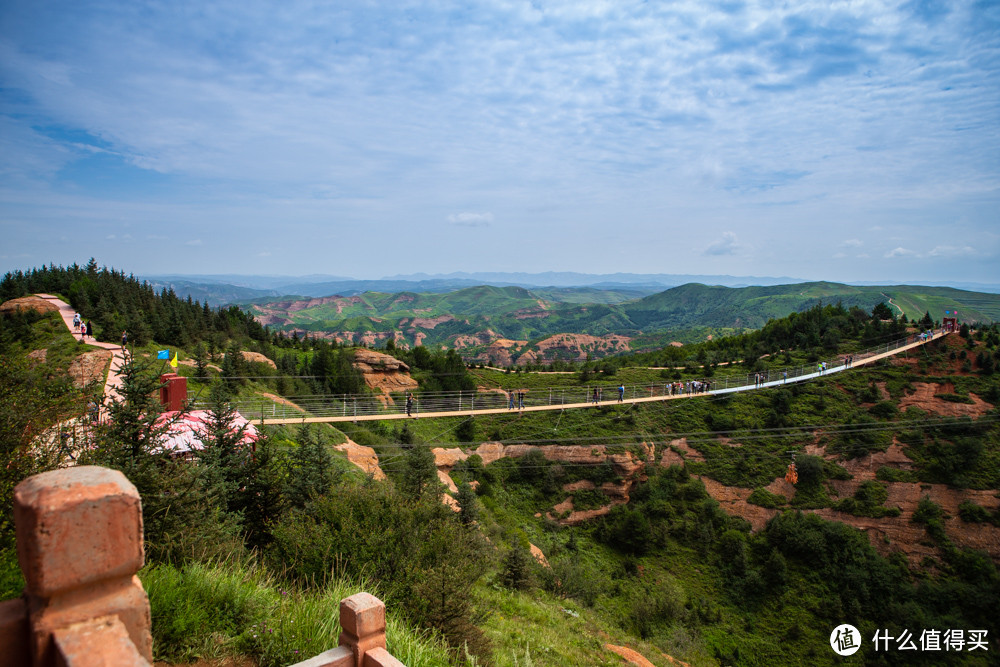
<point>79,544</point>
<point>362,624</point>
<point>173,393</point>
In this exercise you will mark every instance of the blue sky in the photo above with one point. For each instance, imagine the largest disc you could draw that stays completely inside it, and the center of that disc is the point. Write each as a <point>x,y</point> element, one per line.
<point>844,141</point>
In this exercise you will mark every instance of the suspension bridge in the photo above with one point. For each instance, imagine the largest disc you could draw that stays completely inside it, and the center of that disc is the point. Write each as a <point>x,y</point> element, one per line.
<point>369,407</point>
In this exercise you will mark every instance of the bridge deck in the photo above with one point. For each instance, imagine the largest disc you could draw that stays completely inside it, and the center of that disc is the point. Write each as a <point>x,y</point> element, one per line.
<point>306,419</point>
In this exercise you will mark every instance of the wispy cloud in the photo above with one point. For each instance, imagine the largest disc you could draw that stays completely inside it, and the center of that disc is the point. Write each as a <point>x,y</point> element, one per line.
<point>193,242</point>
<point>339,119</point>
<point>727,245</point>
<point>952,251</point>
<point>471,219</point>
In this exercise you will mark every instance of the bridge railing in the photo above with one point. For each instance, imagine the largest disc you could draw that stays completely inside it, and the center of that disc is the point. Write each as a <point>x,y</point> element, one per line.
<point>347,406</point>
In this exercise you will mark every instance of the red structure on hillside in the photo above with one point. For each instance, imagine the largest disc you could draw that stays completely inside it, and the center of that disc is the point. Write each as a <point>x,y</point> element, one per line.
<point>173,391</point>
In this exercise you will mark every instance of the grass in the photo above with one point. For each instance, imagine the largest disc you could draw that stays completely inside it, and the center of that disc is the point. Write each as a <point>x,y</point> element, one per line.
<point>227,608</point>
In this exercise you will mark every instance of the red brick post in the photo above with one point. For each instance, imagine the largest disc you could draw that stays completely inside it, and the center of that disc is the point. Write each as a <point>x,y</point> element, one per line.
<point>79,544</point>
<point>173,391</point>
<point>362,624</point>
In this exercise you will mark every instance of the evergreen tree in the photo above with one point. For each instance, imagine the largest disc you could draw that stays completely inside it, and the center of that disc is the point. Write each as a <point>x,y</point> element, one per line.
<point>311,469</point>
<point>180,509</point>
<point>222,454</point>
<point>260,499</point>
<point>468,511</point>
<point>515,572</point>
<point>419,472</point>
<point>201,360</point>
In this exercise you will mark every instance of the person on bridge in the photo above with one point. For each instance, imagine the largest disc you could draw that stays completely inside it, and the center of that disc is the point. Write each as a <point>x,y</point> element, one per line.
<point>510,399</point>
<point>409,404</point>
<point>520,398</point>
<point>595,396</point>
<point>621,393</point>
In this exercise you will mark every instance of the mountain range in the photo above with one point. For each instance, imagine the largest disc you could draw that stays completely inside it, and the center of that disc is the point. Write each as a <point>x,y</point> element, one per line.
<point>519,325</point>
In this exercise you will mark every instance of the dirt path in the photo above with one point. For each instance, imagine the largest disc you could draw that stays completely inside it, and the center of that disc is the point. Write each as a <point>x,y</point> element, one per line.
<point>113,382</point>
<point>891,303</point>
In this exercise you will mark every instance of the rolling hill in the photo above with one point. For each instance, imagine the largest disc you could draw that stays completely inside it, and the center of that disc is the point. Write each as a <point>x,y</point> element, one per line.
<point>483,320</point>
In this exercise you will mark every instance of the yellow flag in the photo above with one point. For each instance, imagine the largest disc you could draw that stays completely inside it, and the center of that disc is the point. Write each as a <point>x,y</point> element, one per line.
<point>173,362</point>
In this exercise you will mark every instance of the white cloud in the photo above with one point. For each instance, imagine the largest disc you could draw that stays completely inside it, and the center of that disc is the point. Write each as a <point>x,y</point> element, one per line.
<point>193,242</point>
<point>471,219</point>
<point>600,114</point>
<point>264,253</point>
<point>728,245</point>
<point>951,251</point>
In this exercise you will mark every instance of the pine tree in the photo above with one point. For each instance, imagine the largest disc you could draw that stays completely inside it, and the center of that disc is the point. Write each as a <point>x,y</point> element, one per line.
<point>468,511</point>
<point>419,472</point>
<point>312,472</point>
<point>515,571</point>
<point>222,454</point>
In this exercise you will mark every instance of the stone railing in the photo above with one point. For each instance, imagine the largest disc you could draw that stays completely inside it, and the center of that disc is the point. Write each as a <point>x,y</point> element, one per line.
<point>79,544</point>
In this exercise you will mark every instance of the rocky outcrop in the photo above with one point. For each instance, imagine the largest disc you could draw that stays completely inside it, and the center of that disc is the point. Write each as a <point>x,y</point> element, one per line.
<point>925,397</point>
<point>259,358</point>
<point>538,555</point>
<point>363,457</point>
<point>383,372</point>
<point>35,303</point>
<point>577,346</point>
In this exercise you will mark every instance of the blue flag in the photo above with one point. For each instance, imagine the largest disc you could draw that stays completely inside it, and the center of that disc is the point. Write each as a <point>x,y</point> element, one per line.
<point>163,354</point>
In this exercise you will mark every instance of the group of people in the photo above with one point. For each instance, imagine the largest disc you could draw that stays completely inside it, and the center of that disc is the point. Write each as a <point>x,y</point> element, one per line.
<point>598,394</point>
<point>759,379</point>
<point>689,387</point>
<point>519,396</point>
<point>83,328</point>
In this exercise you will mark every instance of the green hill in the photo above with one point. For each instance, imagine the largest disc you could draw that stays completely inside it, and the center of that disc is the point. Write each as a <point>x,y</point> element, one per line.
<point>520,314</point>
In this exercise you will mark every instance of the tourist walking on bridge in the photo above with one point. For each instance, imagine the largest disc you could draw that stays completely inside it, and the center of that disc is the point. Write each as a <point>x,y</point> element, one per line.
<point>621,393</point>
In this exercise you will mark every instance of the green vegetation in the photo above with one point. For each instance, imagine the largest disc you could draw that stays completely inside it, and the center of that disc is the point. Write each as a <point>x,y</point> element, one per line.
<point>765,498</point>
<point>532,315</point>
<point>218,609</point>
<point>868,501</point>
<point>266,545</point>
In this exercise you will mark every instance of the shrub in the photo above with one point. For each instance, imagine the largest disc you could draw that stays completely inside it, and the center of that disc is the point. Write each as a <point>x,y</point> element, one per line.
<point>867,501</point>
<point>887,474</point>
<point>764,498</point>
<point>884,410</point>
<point>970,512</point>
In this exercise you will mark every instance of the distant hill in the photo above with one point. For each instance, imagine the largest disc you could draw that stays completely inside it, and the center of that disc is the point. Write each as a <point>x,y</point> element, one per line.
<point>508,323</point>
